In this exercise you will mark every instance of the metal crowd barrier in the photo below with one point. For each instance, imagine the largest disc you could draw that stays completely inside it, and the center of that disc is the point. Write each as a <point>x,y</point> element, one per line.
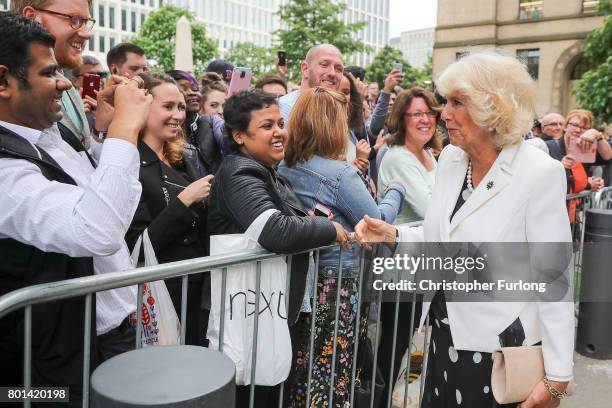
<point>603,198</point>
<point>87,286</point>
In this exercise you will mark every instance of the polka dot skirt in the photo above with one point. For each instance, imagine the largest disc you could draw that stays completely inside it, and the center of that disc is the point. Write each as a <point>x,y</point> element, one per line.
<point>455,378</point>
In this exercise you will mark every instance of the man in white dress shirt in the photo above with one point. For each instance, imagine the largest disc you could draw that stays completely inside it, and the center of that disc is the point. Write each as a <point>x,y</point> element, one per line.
<point>59,217</point>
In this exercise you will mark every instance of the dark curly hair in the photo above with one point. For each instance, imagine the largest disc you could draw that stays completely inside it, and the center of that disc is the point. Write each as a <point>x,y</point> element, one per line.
<point>237,111</point>
<point>16,35</point>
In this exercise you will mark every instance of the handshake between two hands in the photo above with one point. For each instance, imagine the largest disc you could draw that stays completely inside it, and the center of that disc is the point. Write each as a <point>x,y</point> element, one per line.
<point>367,231</point>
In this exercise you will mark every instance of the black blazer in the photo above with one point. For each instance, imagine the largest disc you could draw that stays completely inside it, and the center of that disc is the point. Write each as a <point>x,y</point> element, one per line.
<point>177,232</point>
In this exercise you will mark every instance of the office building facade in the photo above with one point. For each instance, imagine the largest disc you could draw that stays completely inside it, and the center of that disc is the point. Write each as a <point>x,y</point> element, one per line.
<point>548,35</point>
<point>228,21</point>
<point>416,45</point>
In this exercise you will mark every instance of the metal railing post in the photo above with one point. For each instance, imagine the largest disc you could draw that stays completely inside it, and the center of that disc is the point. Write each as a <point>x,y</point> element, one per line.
<point>394,344</point>
<point>409,357</point>
<point>425,357</point>
<point>376,340</point>
<point>184,287</point>
<point>86,350</point>
<point>27,353</point>
<point>139,316</point>
<point>255,333</point>
<point>330,398</point>
<point>222,307</point>
<point>287,286</point>
<point>311,350</point>
<point>357,327</point>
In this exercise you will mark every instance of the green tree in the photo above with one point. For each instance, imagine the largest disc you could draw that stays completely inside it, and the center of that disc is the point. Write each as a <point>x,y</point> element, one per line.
<point>593,89</point>
<point>249,55</point>
<point>306,23</point>
<point>156,37</point>
<point>383,62</point>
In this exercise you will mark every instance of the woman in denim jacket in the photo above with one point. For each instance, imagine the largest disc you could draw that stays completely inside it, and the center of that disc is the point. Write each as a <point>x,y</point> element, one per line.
<point>315,164</point>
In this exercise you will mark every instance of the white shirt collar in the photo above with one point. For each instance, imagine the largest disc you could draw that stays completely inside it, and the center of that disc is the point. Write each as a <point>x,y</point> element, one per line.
<point>31,135</point>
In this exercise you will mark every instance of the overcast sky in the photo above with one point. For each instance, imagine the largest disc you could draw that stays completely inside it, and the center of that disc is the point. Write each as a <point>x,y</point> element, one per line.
<point>409,15</point>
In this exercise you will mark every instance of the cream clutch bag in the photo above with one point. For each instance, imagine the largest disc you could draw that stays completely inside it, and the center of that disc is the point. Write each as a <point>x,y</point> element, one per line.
<point>516,371</point>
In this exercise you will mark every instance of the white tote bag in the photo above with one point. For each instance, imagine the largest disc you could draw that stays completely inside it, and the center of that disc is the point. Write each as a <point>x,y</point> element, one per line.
<point>160,324</point>
<point>274,353</point>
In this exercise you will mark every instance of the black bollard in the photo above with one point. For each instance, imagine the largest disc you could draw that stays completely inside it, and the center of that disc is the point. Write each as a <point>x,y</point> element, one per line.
<point>594,337</point>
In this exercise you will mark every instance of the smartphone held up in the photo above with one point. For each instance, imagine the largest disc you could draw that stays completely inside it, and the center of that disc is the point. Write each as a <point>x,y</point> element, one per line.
<point>91,85</point>
<point>282,58</point>
<point>241,80</point>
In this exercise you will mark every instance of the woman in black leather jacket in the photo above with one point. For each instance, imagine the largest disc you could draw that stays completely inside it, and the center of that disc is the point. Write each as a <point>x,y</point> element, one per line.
<point>247,184</point>
<point>171,205</point>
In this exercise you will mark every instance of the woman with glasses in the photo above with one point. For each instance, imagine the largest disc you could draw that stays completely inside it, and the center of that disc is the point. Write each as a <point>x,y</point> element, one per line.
<point>414,135</point>
<point>171,205</point>
<point>577,130</point>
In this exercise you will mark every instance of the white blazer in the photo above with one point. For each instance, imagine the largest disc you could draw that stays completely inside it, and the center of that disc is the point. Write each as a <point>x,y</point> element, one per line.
<point>525,203</point>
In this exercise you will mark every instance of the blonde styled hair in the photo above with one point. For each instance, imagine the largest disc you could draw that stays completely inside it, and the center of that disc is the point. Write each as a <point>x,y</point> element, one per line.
<point>584,116</point>
<point>318,125</point>
<point>500,93</point>
<point>175,147</point>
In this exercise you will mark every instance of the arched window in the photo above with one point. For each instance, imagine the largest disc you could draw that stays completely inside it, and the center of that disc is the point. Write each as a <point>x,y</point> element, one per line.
<point>579,69</point>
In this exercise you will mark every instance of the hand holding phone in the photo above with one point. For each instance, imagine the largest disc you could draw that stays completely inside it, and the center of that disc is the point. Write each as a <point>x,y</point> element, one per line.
<point>395,78</point>
<point>91,85</point>
<point>241,80</point>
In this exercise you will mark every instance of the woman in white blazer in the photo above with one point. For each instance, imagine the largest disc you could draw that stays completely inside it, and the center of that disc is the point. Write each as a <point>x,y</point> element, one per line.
<point>490,187</point>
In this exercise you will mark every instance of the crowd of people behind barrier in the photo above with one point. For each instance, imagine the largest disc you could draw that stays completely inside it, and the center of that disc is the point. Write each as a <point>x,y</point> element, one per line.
<point>84,177</point>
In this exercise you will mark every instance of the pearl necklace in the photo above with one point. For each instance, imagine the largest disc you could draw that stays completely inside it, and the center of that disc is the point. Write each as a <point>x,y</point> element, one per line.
<point>465,194</point>
<point>469,177</point>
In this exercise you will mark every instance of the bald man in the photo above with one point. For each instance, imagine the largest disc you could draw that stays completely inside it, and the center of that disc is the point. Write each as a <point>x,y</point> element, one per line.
<point>323,66</point>
<point>552,126</point>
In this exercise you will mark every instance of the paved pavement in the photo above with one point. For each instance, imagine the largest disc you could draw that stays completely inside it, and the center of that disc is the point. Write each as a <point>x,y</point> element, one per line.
<point>593,383</point>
